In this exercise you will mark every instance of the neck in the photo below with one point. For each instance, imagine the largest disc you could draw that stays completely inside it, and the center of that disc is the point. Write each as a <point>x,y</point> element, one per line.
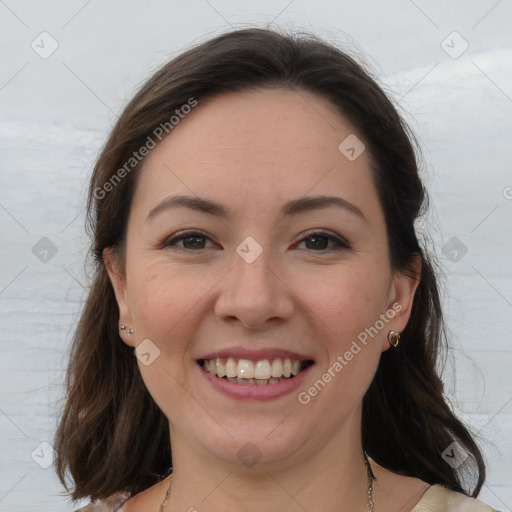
<point>333,478</point>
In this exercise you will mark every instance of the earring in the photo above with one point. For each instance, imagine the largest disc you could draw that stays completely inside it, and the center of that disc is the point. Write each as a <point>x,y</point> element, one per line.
<point>130,331</point>
<point>122,327</point>
<point>393,338</point>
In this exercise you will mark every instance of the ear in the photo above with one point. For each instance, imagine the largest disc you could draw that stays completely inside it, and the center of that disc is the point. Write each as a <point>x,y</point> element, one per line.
<point>401,296</point>
<point>118,281</point>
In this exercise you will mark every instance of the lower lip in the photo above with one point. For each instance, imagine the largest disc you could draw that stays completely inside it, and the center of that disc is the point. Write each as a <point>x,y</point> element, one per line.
<point>255,392</point>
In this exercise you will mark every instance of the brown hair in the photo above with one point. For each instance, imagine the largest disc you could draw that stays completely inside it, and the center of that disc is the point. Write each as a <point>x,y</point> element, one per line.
<point>112,436</point>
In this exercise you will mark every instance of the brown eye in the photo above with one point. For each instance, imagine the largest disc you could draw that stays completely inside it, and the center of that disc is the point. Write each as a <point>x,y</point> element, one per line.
<point>191,241</point>
<point>319,241</point>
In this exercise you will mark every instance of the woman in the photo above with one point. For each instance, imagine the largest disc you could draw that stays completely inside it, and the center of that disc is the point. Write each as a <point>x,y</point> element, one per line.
<point>261,307</point>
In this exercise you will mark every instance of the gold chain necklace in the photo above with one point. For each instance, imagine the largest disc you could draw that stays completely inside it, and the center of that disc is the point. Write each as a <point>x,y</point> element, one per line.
<point>371,479</point>
<point>162,506</point>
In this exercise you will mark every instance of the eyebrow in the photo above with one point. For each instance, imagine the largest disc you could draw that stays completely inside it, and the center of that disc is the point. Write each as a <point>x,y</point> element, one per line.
<point>293,207</point>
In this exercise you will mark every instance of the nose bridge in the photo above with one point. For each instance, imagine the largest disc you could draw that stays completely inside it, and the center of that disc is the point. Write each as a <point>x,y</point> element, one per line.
<point>253,293</point>
<point>253,265</point>
<point>253,277</point>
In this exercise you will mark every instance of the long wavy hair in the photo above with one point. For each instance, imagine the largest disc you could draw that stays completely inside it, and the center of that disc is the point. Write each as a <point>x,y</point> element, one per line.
<point>112,436</point>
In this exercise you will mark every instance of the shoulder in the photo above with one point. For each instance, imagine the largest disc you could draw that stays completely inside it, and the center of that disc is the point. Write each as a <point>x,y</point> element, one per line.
<point>149,499</point>
<point>439,499</point>
<point>112,504</point>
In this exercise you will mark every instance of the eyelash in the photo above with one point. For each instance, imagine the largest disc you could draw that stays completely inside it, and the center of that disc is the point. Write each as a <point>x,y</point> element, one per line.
<point>339,243</point>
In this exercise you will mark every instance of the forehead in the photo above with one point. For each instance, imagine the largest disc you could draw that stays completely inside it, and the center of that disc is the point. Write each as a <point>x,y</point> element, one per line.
<point>271,144</point>
<point>259,123</point>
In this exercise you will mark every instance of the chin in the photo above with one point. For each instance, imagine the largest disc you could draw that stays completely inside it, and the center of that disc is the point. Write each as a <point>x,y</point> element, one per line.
<point>252,446</point>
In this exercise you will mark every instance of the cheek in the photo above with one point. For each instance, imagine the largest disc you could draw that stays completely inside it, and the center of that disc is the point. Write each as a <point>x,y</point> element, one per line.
<point>163,302</point>
<point>345,308</point>
<point>162,297</point>
<point>346,300</point>
<point>168,305</point>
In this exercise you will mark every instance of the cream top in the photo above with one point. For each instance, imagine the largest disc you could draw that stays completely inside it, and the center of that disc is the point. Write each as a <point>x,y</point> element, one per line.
<point>435,499</point>
<point>439,499</point>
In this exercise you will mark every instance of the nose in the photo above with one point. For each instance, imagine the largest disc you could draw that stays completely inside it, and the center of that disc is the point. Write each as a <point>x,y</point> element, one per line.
<point>254,293</point>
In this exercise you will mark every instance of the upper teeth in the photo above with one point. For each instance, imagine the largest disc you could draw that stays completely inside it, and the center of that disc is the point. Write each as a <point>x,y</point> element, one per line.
<point>247,369</point>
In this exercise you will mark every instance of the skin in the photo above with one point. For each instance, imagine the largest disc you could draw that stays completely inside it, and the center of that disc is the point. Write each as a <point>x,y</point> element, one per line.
<point>252,152</point>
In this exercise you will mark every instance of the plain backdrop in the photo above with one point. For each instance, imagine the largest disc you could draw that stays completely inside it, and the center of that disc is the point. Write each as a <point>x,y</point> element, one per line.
<point>68,68</point>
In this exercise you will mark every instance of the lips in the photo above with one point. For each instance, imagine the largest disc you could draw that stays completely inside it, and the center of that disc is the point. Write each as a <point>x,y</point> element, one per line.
<point>256,374</point>
<point>254,389</point>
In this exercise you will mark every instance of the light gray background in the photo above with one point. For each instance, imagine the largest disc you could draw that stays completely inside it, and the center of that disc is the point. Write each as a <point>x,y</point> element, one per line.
<point>57,111</point>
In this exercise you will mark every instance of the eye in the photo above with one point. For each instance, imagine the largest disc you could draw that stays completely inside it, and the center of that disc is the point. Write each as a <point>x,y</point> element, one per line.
<point>321,239</point>
<point>192,240</point>
<point>317,241</point>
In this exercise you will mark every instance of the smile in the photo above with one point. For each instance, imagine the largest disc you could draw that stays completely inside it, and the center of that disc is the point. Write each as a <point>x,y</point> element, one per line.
<point>253,376</point>
<point>247,372</point>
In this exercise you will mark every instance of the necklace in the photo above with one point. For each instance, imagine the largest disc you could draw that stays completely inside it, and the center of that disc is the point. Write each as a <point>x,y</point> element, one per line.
<point>162,506</point>
<point>371,479</point>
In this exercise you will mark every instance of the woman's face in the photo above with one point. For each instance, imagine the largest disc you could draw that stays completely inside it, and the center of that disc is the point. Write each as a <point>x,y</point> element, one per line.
<point>251,269</point>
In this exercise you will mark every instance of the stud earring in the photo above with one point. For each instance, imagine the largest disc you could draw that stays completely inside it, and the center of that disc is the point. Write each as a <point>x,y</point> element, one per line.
<point>393,338</point>
<point>123,328</point>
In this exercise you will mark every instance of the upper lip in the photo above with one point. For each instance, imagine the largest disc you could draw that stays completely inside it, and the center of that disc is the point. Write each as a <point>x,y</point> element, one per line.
<point>256,354</point>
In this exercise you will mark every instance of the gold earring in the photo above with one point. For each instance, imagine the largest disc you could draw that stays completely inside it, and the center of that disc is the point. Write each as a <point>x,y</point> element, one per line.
<point>393,338</point>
